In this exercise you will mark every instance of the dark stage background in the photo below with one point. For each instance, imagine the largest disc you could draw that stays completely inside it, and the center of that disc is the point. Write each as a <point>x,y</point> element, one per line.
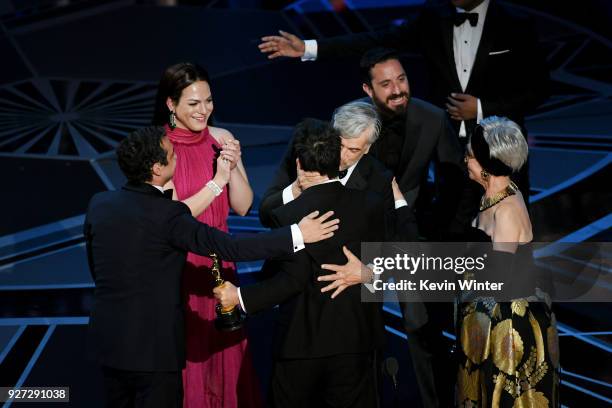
<point>77,76</point>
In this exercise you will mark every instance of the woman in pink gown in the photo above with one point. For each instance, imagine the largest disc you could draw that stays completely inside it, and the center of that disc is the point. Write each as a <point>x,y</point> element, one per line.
<point>219,371</point>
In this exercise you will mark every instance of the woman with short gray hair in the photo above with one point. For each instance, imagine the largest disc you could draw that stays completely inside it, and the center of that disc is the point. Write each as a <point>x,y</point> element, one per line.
<point>508,348</point>
<point>497,149</point>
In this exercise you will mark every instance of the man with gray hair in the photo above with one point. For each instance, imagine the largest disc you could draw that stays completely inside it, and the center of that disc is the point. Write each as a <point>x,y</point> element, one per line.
<point>359,126</point>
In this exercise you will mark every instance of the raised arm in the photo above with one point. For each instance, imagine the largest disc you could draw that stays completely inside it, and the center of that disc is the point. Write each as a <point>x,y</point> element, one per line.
<point>404,37</point>
<point>240,191</point>
<point>187,233</point>
<point>198,202</point>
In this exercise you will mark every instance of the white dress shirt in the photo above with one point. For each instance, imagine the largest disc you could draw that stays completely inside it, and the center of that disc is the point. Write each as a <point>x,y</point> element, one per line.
<point>288,192</point>
<point>465,46</point>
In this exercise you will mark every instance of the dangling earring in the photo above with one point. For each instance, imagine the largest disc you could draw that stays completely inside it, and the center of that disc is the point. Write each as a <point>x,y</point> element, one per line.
<point>484,175</point>
<point>172,121</point>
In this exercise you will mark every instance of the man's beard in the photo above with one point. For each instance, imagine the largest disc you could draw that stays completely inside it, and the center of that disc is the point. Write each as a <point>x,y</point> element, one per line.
<point>389,113</point>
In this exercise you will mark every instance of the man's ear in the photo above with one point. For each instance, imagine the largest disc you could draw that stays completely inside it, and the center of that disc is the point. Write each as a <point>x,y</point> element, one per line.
<point>170,104</point>
<point>297,164</point>
<point>367,89</point>
<point>367,148</point>
<point>156,169</point>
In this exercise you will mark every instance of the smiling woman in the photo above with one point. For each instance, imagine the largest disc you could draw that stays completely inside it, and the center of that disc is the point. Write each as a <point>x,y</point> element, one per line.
<point>215,359</point>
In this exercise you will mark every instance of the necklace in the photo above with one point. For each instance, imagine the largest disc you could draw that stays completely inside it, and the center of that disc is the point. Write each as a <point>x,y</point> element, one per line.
<point>488,202</point>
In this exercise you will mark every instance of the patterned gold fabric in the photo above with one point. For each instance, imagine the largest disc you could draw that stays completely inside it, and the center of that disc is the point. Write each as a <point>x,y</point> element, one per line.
<point>507,347</point>
<point>475,336</point>
<point>509,355</point>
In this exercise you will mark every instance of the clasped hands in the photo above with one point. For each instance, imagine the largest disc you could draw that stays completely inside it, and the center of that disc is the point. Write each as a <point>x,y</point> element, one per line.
<point>230,151</point>
<point>462,106</point>
<point>228,159</point>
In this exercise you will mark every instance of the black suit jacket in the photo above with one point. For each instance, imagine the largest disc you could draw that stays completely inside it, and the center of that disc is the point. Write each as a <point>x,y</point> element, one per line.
<point>369,174</point>
<point>509,75</point>
<point>137,242</point>
<point>428,136</point>
<point>311,324</point>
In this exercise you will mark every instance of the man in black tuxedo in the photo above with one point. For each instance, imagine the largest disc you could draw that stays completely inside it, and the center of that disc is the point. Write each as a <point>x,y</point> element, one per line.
<point>482,60</point>
<point>324,349</point>
<point>415,133</point>
<point>137,240</point>
<point>412,134</point>
<point>359,126</point>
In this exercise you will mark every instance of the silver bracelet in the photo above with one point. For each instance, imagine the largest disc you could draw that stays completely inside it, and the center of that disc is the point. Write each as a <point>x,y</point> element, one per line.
<point>214,188</point>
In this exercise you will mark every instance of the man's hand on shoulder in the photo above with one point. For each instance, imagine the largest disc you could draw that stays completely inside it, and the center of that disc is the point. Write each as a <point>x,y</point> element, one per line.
<point>316,229</point>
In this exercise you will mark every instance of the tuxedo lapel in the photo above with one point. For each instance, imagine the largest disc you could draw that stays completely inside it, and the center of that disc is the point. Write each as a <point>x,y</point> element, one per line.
<point>484,47</point>
<point>359,177</point>
<point>412,134</point>
<point>446,21</point>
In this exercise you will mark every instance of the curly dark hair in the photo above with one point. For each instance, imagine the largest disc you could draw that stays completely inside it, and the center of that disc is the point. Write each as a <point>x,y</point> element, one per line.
<point>173,81</point>
<point>317,145</point>
<point>138,152</point>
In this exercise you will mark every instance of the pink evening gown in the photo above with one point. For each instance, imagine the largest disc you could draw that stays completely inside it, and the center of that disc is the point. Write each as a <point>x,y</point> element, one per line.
<point>219,372</point>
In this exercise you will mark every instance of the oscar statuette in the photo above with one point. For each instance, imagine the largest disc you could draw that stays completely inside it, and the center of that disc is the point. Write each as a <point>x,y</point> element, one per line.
<point>228,319</point>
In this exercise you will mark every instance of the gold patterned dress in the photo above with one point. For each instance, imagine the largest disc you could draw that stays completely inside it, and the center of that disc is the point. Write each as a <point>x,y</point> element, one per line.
<point>508,351</point>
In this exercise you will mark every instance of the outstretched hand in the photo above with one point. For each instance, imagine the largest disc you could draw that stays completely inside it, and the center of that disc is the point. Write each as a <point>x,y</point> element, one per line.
<point>285,45</point>
<point>353,272</point>
<point>317,229</point>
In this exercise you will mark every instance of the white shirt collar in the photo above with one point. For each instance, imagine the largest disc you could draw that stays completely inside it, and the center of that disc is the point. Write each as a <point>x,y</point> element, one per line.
<point>326,182</point>
<point>329,181</point>
<point>161,189</point>
<point>349,171</point>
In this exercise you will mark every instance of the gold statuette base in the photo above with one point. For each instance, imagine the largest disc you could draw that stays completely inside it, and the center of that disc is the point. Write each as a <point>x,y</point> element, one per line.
<point>228,320</point>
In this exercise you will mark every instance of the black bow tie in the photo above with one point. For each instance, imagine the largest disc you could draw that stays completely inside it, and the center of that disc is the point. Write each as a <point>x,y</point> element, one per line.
<point>168,193</point>
<point>460,18</point>
<point>342,174</point>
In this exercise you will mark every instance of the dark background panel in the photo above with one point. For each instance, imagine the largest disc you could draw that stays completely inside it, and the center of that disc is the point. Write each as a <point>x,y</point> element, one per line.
<point>44,191</point>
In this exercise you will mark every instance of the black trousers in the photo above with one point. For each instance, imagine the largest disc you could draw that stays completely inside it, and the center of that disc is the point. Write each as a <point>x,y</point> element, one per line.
<point>341,381</point>
<point>430,351</point>
<point>139,389</point>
